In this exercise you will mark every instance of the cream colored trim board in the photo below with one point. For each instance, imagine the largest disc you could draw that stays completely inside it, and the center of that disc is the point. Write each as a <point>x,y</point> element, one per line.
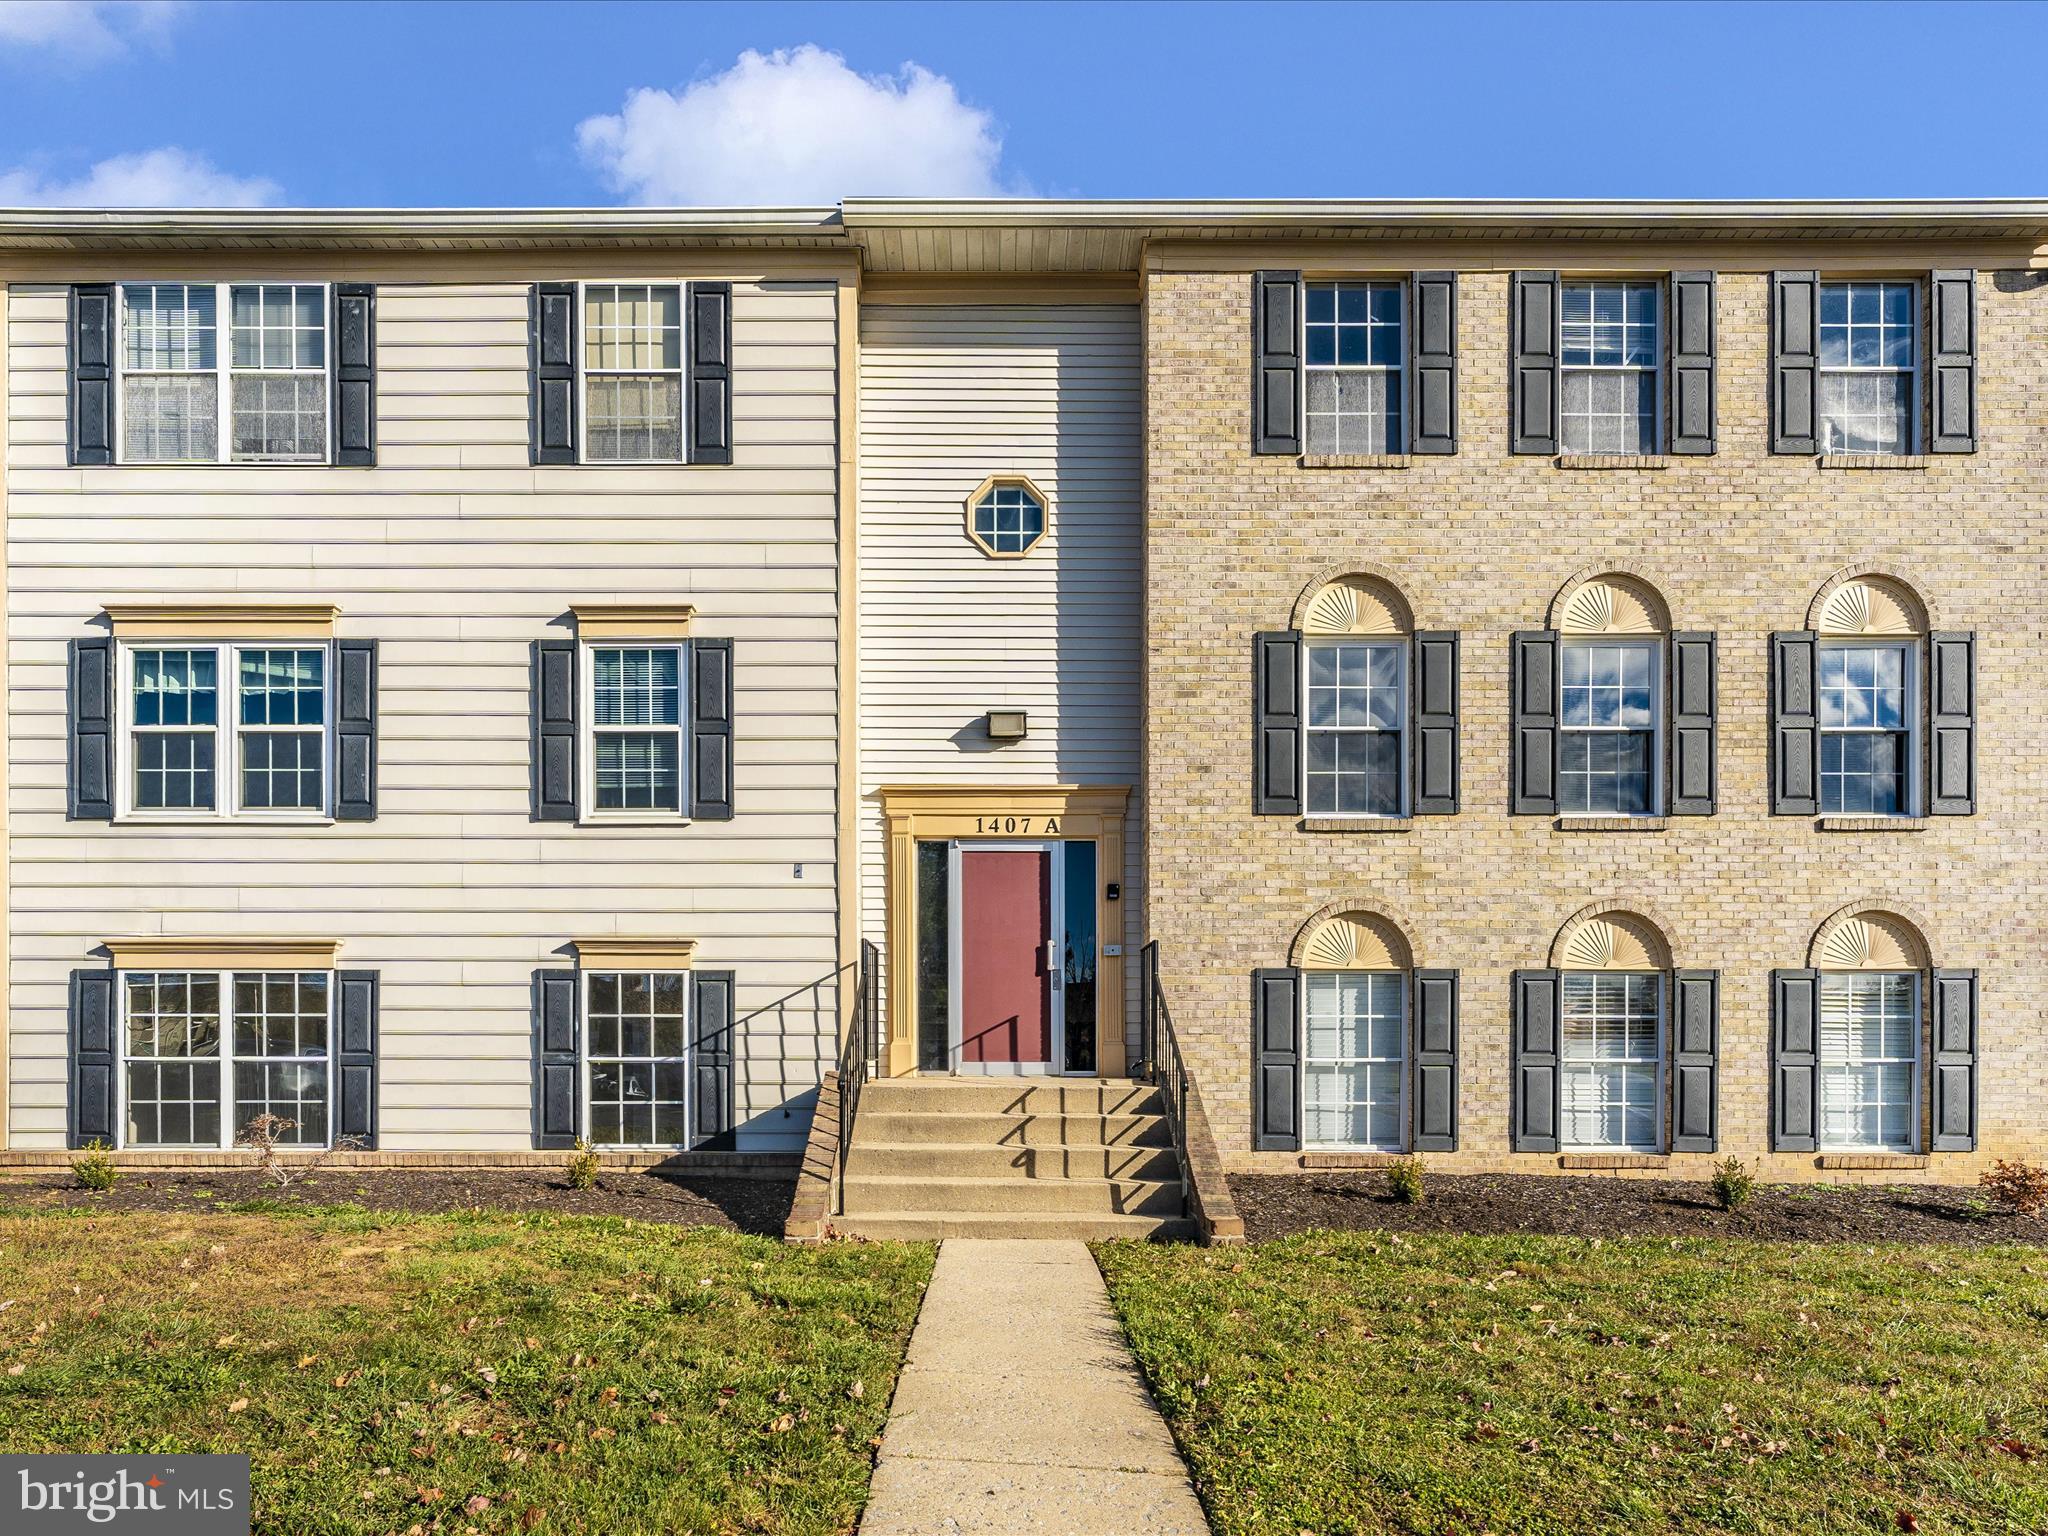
<point>999,288</point>
<point>6,842</point>
<point>223,621</point>
<point>613,953</point>
<point>633,621</point>
<point>163,952</point>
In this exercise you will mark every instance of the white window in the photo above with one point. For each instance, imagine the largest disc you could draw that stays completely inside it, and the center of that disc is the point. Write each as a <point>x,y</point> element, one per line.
<point>264,709</point>
<point>1867,728</point>
<point>638,1067</point>
<point>1357,703</point>
<point>174,373</point>
<point>635,710</point>
<point>1868,380</point>
<point>1609,727</point>
<point>1610,367</point>
<point>1354,361</point>
<point>1611,1060</point>
<point>1353,1059</point>
<point>1870,1060</point>
<point>179,1054</point>
<point>632,373</point>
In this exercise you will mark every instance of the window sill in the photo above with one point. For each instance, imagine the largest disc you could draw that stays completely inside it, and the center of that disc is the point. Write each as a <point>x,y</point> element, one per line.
<point>236,823</point>
<point>1334,1160</point>
<point>1873,461</point>
<point>633,821</point>
<point>1612,461</point>
<point>1357,823</point>
<point>1848,1160</point>
<point>1872,824</point>
<point>1614,1160</point>
<point>1354,461</point>
<point>1611,823</point>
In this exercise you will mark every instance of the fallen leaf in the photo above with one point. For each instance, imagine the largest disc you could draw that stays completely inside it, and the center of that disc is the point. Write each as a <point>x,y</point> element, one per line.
<point>238,1405</point>
<point>477,1504</point>
<point>1906,1520</point>
<point>783,1425</point>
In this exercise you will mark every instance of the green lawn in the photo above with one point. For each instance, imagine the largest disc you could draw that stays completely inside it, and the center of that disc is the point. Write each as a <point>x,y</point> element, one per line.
<point>463,1373</point>
<point>1360,1383</point>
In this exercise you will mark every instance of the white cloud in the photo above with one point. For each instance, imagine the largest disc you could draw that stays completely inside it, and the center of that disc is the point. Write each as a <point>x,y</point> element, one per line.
<point>82,28</point>
<point>155,178</point>
<point>795,126</point>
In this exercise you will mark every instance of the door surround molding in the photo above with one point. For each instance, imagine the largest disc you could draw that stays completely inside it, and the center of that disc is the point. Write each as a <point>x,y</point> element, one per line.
<point>912,813</point>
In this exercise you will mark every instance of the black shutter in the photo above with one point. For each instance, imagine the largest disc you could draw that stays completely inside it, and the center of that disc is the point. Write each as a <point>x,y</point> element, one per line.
<point>89,702</point>
<point>711,1081</point>
<point>1276,362</point>
<point>355,374</point>
<point>1433,363</point>
<point>1795,1061</point>
<point>554,730</point>
<point>1435,1084</point>
<point>91,434</point>
<point>1952,708</point>
<point>355,730</point>
<point>1537,1005</point>
<point>1532,321</point>
<point>1433,709</point>
<point>1795,361</point>
<point>1276,723</point>
<point>1693,691</point>
<point>358,995</point>
<point>1692,362</point>
<point>1276,1059</point>
<point>1955,1061</point>
<point>552,344</point>
<point>557,1065</point>
<point>1953,331</point>
<point>1695,1061</point>
<point>710,405</point>
<point>90,1115</point>
<point>711,730</point>
<point>1795,723</point>
<point>1534,744</point>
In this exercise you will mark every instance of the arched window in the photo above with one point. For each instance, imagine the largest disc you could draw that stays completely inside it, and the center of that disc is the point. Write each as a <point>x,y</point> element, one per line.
<point>1873,711</point>
<point>1615,1051</point>
<point>1356,637</point>
<point>1613,711</point>
<point>1873,1049</point>
<point>1354,1046</point>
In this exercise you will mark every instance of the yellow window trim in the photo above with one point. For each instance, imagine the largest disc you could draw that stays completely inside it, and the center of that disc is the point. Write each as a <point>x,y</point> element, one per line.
<point>1030,487</point>
<point>612,953</point>
<point>160,953</point>
<point>633,621</point>
<point>223,621</point>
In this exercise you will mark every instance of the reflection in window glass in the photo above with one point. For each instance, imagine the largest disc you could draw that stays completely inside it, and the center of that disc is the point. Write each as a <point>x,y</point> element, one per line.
<point>1866,367</point>
<point>1609,366</point>
<point>639,1058</point>
<point>1607,715</point>
<point>633,379</point>
<point>175,703</point>
<point>1865,731</point>
<point>1077,956</point>
<point>1869,1054</point>
<point>1352,1059</point>
<point>1355,715</point>
<point>172,1058</point>
<point>282,704</point>
<point>281,1052</point>
<point>1353,356</point>
<point>934,957</point>
<point>636,727</point>
<point>1609,1060</point>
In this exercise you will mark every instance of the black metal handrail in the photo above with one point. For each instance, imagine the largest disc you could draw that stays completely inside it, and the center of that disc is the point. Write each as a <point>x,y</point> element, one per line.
<point>857,1057</point>
<point>1163,1065</point>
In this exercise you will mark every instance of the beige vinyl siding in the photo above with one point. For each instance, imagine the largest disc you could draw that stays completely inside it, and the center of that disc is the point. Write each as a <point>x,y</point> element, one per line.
<point>455,554</point>
<point>950,394</point>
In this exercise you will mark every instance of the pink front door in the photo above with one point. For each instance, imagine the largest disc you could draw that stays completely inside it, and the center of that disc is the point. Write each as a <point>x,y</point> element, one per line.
<point>1005,985</point>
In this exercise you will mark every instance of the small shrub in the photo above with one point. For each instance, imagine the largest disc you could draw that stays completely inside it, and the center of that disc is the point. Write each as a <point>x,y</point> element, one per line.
<point>1404,1181</point>
<point>583,1167</point>
<point>94,1166</point>
<point>2021,1187</point>
<point>1733,1184</point>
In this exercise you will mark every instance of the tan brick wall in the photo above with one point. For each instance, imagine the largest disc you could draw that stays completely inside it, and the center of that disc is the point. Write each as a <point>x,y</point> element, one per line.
<point>1481,542</point>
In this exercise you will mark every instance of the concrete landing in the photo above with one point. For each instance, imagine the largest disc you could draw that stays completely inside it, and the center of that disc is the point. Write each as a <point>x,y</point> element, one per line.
<point>1020,1410</point>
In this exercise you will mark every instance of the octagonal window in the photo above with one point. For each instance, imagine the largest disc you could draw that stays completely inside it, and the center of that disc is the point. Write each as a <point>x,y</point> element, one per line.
<point>1007,517</point>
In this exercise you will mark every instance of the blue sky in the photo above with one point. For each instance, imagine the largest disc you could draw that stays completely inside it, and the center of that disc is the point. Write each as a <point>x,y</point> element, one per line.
<point>541,104</point>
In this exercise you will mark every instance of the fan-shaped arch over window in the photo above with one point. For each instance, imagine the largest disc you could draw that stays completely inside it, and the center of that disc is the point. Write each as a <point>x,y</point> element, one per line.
<point>1613,940</point>
<point>1355,941</point>
<point>1612,604</point>
<point>1357,604</point>
<point>1869,940</point>
<point>1868,603</point>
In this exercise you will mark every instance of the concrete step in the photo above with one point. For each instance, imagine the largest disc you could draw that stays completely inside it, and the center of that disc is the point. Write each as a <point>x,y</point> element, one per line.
<point>980,1160</point>
<point>932,1226</point>
<point>989,1130</point>
<point>1009,1096</point>
<point>1109,1197</point>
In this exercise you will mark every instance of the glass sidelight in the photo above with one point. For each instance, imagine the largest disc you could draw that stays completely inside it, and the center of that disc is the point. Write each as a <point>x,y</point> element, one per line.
<point>934,956</point>
<point>1078,952</point>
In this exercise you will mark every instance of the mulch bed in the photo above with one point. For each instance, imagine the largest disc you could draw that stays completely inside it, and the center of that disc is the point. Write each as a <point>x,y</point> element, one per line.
<point>1277,1205</point>
<point>745,1205</point>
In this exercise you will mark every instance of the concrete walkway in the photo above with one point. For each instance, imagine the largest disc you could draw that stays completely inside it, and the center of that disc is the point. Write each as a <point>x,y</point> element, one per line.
<point>1021,1410</point>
